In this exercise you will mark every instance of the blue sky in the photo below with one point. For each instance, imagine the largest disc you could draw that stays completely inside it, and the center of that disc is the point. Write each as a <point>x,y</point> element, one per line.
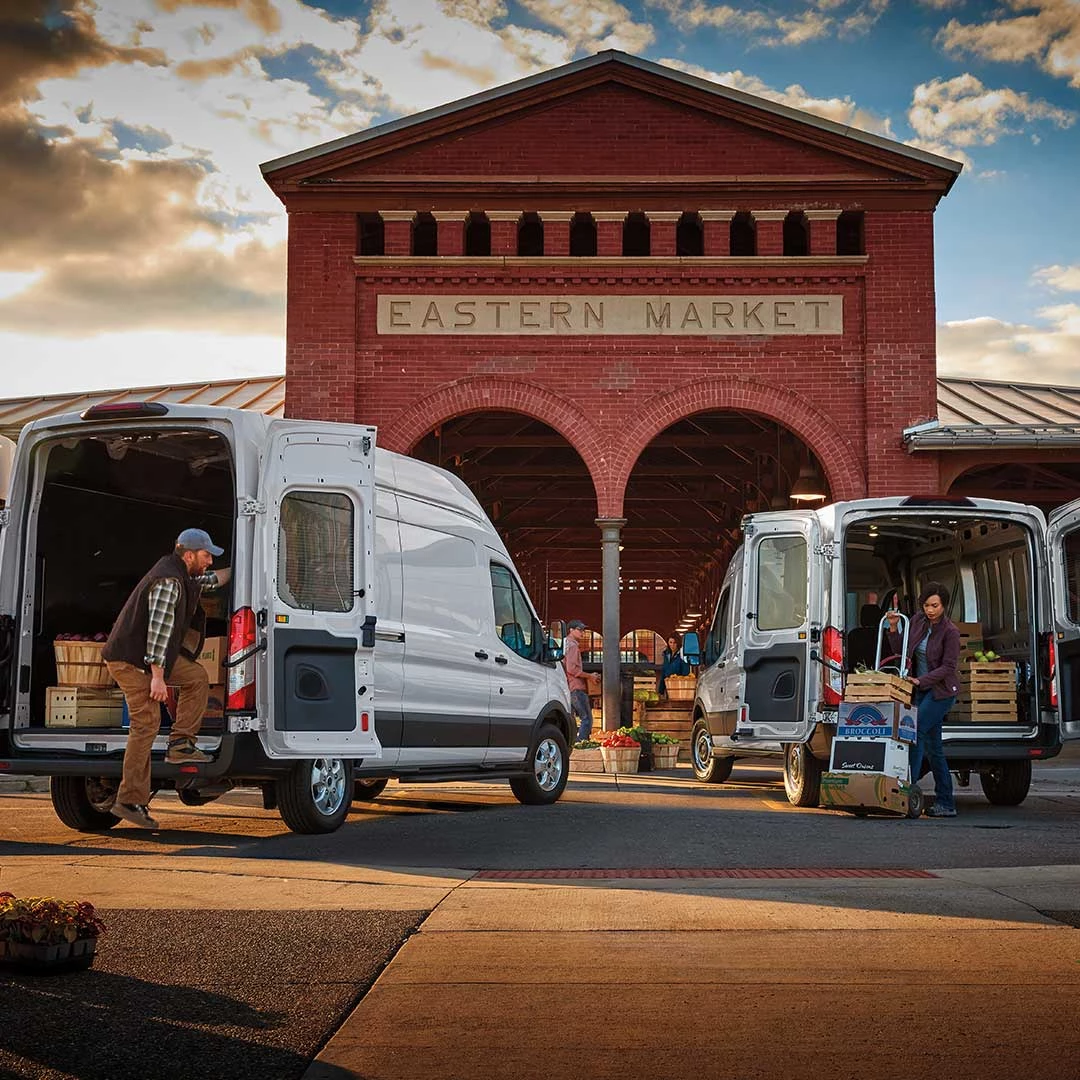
<point>139,245</point>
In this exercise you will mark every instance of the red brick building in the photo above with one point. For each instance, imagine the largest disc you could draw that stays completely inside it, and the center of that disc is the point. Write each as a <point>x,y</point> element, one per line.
<point>626,305</point>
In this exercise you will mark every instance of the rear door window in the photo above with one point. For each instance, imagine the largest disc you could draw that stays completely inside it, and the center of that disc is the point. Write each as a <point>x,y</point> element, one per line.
<point>781,583</point>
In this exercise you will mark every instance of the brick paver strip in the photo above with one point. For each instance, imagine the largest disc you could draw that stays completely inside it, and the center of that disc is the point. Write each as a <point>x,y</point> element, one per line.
<point>518,875</point>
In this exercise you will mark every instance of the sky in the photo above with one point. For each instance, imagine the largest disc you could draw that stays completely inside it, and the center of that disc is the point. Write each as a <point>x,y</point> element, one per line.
<point>140,246</point>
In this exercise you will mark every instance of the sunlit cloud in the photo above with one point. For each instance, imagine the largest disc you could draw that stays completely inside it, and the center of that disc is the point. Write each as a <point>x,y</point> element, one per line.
<point>765,26</point>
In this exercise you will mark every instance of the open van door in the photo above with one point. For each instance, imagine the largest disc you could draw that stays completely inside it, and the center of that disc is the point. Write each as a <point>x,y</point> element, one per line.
<point>781,584</point>
<point>1063,538</point>
<point>315,569</point>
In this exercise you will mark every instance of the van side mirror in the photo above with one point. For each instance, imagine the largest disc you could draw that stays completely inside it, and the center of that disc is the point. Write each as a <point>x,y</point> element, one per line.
<point>691,648</point>
<point>553,651</point>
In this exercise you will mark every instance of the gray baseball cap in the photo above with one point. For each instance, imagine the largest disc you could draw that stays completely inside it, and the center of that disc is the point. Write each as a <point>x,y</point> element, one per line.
<point>198,540</point>
<point>575,624</point>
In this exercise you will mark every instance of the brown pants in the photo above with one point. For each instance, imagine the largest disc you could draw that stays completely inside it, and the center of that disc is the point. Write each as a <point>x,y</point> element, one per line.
<point>194,689</point>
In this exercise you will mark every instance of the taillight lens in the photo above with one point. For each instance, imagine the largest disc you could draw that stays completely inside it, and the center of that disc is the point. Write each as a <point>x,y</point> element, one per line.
<point>242,636</point>
<point>1051,667</point>
<point>832,681</point>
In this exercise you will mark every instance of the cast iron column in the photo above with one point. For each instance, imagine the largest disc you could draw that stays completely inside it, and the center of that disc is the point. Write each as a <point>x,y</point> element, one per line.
<point>610,531</point>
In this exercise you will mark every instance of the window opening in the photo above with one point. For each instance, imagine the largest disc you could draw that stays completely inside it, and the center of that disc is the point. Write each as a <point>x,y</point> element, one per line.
<point>635,235</point>
<point>690,235</point>
<point>425,235</point>
<point>743,234</point>
<point>477,234</point>
<point>370,235</point>
<point>796,234</point>
<point>850,238</point>
<point>315,569</point>
<point>582,235</point>
<point>514,622</point>
<point>530,237</point>
<point>781,584</point>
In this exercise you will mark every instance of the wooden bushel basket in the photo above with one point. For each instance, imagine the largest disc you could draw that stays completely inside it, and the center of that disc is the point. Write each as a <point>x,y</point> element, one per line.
<point>79,663</point>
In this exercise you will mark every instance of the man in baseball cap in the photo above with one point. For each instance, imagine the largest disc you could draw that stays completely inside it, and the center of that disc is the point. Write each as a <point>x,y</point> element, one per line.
<point>575,678</point>
<point>154,644</point>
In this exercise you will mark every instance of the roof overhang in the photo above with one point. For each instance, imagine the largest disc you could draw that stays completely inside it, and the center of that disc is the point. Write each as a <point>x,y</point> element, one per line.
<point>937,436</point>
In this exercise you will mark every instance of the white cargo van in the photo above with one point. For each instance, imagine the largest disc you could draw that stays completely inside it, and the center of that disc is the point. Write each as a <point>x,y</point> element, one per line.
<point>783,635</point>
<point>374,626</point>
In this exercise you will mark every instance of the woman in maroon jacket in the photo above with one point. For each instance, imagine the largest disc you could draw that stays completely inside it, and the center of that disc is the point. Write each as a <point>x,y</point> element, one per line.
<point>933,653</point>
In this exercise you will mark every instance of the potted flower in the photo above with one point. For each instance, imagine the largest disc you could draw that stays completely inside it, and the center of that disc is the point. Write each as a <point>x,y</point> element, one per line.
<point>620,752</point>
<point>41,933</point>
<point>665,751</point>
<point>586,756</point>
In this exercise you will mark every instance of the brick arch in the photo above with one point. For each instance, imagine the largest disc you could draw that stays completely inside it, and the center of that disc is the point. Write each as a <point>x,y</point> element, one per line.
<point>488,394</point>
<point>838,457</point>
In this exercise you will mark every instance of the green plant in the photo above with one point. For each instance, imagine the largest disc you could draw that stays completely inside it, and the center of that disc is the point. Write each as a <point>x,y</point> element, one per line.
<point>44,920</point>
<point>586,744</point>
<point>637,733</point>
<point>641,695</point>
<point>661,739</point>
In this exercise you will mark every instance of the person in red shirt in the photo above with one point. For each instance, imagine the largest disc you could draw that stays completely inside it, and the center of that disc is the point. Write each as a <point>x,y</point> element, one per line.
<point>575,678</point>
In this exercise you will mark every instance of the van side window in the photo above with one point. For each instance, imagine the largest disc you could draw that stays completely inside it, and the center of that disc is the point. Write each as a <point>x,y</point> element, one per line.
<point>1072,573</point>
<point>513,616</point>
<point>716,642</point>
<point>781,582</point>
<point>315,566</point>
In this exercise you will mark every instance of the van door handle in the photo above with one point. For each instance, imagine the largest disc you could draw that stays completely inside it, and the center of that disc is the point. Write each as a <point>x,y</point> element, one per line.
<point>480,654</point>
<point>501,660</point>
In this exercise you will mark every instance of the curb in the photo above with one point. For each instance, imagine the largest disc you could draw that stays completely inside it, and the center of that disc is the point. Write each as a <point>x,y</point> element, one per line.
<point>13,785</point>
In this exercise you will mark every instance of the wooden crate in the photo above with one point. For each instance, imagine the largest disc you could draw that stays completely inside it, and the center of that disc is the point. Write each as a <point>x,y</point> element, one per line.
<point>877,686</point>
<point>81,706</point>
<point>680,687</point>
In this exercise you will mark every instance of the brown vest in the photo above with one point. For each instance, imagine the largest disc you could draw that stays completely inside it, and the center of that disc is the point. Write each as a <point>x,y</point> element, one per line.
<point>127,640</point>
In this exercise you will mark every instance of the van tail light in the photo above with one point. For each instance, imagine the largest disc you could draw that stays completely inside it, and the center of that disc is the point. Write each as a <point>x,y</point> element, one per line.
<point>832,679</point>
<point>242,636</point>
<point>1051,669</point>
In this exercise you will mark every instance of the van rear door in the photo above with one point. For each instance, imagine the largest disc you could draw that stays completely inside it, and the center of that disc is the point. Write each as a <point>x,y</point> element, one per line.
<point>782,579</point>
<point>315,570</point>
<point>1063,538</point>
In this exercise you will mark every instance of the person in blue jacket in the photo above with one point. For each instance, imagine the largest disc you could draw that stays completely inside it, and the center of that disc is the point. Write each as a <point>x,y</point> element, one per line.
<point>672,663</point>
<point>933,654</point>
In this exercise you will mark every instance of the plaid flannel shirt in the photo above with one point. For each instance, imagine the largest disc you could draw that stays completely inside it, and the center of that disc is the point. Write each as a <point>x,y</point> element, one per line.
<point>163,599</point>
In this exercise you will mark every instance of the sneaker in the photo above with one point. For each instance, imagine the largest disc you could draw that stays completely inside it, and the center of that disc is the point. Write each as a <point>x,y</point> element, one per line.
<point>184,752</point>
<point>137,815</point>
<point>937,810</point>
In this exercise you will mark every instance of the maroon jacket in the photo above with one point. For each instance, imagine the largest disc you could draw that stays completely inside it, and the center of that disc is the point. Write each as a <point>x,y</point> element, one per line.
<point>942,654</point>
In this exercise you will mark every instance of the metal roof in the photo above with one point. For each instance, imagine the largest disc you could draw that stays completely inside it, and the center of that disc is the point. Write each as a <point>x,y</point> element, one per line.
<point>982,414</point>
<point>615,56</point>
<point>971,412</point>
<point>265,394</point>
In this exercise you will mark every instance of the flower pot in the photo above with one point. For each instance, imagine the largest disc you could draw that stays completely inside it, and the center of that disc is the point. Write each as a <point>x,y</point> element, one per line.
<point>587,760</point>
<point>621,759</point>
<point>31,958</point>
<point>665,755</point>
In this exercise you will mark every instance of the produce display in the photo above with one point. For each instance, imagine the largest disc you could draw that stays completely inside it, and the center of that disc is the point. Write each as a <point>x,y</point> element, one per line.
<point>82,637</point>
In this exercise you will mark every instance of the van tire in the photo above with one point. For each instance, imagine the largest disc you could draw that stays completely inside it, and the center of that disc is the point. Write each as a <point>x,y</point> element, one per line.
<point>316,795</point>
<point>708,769</point>
<point>1007,784</point>
<point>549,767</point>
<point>369,788</point>
<point>802,775</point>
<point>80,803</point>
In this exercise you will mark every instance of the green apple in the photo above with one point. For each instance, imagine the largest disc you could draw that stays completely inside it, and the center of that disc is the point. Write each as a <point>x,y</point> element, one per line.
<point>991,655</point>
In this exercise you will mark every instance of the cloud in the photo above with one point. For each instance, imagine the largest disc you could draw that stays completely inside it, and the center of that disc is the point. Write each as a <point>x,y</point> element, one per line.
<point>840,110</point>
<point>1047,32</point>
<point>1062,278</point>
<point>821,19</point>
<point>957,113</point>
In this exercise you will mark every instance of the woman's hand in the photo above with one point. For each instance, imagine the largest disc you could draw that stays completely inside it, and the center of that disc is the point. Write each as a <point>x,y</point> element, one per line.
<point>914,681</point>
<point>894,620</point>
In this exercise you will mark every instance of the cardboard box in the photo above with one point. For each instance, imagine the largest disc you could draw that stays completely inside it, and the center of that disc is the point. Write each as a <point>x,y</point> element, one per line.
<point>888,756</point>
<point>876,720</point>
<point>870,791</point>
<point>212,657</point>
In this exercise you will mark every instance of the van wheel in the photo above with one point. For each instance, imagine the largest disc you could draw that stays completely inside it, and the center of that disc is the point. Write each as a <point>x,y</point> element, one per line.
<point>547,775</point>
<point>368,788</point>
<point>802,775</point>
<point>314,796</point>
<point>84,802</point>
<point>708,769</point>
<point>1007,784</point>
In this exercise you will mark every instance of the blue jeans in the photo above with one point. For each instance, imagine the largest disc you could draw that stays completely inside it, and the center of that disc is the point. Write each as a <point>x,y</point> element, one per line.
<point>580,707</point>
<point>928,743</point>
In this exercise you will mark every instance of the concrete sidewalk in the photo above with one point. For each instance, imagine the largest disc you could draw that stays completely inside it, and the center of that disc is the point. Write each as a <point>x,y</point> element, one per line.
<point>958,975</point>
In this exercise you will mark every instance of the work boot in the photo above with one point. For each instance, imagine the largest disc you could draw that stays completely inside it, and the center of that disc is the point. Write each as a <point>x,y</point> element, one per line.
<point>185,752</point>
<point>937,810</point>
<point>137,815</point>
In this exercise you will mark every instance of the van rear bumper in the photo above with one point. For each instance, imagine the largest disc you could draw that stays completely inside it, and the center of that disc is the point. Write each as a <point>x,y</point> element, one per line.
<point>240,757</point>
<point>1047,744</point>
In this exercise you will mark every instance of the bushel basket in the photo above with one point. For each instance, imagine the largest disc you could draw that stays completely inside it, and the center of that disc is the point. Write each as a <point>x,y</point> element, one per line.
<point>79,663</point>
